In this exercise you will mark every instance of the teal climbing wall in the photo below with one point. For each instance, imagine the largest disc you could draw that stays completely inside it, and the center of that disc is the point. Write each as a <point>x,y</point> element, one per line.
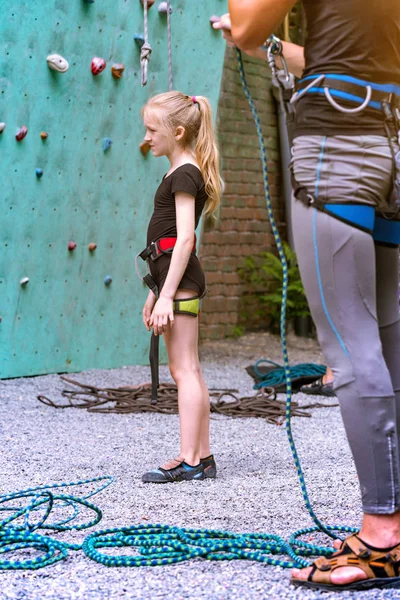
<point>66,319</point>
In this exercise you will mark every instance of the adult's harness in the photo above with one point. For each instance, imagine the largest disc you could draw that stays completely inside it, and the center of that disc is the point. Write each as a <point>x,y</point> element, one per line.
<point>181,306</point>
<point>385,228</point>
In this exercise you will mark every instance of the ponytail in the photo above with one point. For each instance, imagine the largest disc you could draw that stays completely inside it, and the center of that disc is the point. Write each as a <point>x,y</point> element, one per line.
<point>207,155</point>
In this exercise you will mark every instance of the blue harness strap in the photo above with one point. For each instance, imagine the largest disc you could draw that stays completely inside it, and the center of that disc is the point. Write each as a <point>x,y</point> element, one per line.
<point>386,231</point>
<point>357,215</point>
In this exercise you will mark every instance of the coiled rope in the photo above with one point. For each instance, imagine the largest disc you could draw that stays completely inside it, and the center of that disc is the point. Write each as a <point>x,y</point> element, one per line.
<point>277,377</point>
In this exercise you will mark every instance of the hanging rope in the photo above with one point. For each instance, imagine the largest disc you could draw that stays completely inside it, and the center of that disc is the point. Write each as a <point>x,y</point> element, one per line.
<point>146,49</point>
<point>170,73</point>
<point>327,529</point>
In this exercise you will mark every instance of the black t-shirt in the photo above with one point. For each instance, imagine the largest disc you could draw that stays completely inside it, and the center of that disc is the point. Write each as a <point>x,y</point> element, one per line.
<point>360,38</point>
<point>186,178</point>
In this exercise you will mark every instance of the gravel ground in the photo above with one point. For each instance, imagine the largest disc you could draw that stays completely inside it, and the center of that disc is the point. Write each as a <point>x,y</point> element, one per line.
<point>256,489</point>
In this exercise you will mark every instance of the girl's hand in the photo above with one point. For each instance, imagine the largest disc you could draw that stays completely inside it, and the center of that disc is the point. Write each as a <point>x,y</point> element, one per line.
<point>147,309</point>
<point>163,311</point>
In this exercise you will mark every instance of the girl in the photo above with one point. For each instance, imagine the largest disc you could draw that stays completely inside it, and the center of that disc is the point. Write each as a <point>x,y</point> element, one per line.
<point>180,127</point>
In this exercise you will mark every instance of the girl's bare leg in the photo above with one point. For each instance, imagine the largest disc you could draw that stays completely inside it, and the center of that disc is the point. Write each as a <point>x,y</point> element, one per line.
<point>181,342</point>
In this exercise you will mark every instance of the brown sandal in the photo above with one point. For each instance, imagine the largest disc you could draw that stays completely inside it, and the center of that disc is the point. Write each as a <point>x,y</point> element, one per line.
<point>381,567</point>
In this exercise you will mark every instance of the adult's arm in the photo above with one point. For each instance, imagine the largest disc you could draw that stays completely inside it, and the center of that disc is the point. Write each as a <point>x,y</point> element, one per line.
<point>294,54</point>
<point>253,21</point>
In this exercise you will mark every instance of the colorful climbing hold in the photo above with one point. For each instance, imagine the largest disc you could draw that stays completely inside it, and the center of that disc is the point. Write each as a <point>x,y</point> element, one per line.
<point>21,133</point>
<point>92,247</point>
<point>71,246</point>
<point>107,143</point>
<point>144,148</point>
<point>98,65</point>
<point>24,281</point>
<point>44,135</point>
<point>214,19</point>
<point>107,279</point>
<point>139,39</point>
<point>163,8</point>
<point>39,173</point>
<point>2,127</point>
<point>149,3</point>
<point>117,70</point>
<point>56,62</point>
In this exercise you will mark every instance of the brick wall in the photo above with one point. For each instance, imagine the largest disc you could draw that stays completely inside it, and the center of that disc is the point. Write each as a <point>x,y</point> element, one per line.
<point>243,227</point>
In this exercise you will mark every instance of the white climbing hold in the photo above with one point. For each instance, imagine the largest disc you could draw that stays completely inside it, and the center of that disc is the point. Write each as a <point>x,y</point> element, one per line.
<point>2,127</point>
<point>24,281</point>
<point>57,63</point>
<point>163,8</point>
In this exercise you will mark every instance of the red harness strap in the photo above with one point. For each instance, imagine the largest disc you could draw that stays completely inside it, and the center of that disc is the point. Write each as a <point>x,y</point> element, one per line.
<point>168,243</point>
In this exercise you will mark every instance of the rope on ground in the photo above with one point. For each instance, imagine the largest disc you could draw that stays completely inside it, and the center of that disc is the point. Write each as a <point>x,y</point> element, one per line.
<point>277,377</point>
<point>149,545</point>
<point>136,399</point>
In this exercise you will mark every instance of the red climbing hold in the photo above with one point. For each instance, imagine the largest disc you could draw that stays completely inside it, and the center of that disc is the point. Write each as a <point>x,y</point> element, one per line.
<point>149,3</point>
<point>71,246</point>
<point>21,133</point>
<point>98,65</point>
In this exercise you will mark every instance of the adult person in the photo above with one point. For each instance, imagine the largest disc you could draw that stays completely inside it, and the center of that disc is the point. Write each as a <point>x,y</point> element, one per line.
<point>343,159</point>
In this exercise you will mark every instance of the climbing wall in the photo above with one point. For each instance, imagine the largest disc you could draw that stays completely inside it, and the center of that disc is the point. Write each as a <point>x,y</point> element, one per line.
<point>64,306</point>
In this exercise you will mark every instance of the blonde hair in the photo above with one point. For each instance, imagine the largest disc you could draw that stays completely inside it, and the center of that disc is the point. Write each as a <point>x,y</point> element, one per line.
<point>193,113</point>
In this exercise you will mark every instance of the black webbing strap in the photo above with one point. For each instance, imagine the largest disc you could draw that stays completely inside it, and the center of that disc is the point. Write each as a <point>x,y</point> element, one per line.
<point>154,362</point>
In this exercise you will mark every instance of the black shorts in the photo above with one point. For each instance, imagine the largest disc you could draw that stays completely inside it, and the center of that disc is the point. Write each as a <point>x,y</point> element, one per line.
<point>193,277</point>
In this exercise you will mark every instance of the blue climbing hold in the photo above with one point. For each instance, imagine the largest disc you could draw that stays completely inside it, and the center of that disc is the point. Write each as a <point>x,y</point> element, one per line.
<point>139,39</point>
<point>107,279</point>
<point>107,143</point>
<point>39,173</point>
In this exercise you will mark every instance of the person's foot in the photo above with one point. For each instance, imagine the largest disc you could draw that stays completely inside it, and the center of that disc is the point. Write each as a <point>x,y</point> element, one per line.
<point>210,468</point>
<point>326,574</point>
<point>175,470</point>
<point>319,388</point>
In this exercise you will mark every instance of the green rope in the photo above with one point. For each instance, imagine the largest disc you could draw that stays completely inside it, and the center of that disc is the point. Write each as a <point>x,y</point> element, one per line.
<point>154,544</point>
<point>277,377</point>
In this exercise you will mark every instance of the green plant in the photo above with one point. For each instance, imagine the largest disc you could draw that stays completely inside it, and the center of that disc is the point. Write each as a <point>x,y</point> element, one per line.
<point>264,274</point>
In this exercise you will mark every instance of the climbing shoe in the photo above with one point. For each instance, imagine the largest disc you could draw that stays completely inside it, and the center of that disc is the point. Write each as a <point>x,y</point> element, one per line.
<point>181,472</point>
<point>318,388</point>
<point>210,468</point>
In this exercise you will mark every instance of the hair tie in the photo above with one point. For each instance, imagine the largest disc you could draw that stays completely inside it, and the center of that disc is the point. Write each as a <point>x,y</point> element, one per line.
<point>194,99</point>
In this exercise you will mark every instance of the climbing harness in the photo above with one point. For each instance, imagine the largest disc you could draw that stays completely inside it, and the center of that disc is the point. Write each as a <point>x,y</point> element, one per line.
<point>385,228</point>
<point>183,306</point>
<point>146,49</point>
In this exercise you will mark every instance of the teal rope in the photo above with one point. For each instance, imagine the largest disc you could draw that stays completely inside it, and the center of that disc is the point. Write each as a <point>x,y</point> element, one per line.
<point>327,529</point>
<point>277,376</point>
<point>156,545</point>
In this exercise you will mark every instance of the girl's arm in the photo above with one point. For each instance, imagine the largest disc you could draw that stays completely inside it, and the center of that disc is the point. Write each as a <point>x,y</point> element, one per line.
<point>185,218</point>
<point>294,54</point>
<point>253,21</point>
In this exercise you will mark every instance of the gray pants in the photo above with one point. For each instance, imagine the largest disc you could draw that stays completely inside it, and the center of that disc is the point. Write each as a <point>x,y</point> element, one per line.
<point>352,286</point>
